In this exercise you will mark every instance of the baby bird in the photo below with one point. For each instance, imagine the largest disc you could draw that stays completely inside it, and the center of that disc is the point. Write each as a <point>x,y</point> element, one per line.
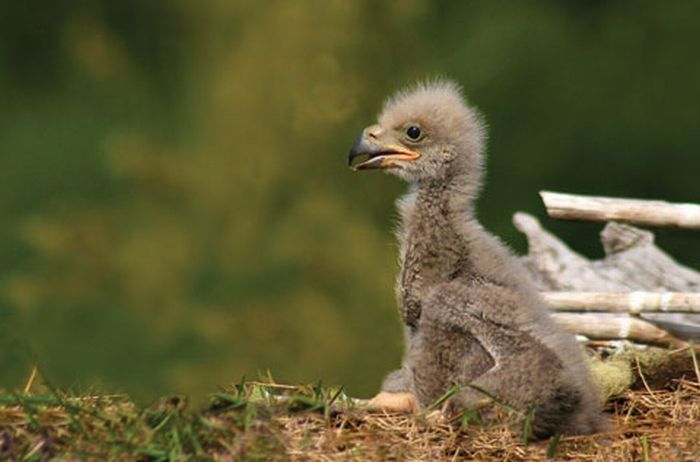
<point>472,317</point>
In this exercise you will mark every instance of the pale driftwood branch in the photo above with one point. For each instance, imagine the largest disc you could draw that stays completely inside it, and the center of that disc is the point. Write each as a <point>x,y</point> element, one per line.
<point>631,302</point>
<point>602,327</point>
<point>643,212</point>
<point>632,263</point>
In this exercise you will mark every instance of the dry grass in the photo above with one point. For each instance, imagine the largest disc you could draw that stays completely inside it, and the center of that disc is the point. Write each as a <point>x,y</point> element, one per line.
<point>651,425</point>
<point>267,421</point>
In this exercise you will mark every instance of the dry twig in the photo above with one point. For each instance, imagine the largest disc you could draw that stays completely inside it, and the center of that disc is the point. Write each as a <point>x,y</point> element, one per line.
<point>602,327</point>
<point>643,212</point>
<point>630,302</point>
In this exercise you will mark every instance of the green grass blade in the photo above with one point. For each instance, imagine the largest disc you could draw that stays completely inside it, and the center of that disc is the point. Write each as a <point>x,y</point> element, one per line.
<point>553,446</point>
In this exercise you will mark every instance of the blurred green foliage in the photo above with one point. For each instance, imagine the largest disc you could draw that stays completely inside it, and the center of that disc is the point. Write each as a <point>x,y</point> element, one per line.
<point>176,210</point>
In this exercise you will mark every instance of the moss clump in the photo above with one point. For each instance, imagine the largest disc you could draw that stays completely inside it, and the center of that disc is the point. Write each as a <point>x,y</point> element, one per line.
<point>631,368</point>
<point>614,376</point>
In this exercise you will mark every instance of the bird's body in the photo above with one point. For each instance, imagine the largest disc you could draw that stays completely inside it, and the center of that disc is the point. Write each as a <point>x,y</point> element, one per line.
<point>472,317</point>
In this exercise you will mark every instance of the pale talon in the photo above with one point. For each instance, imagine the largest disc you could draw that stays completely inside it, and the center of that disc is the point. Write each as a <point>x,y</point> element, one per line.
<point>395,402</point>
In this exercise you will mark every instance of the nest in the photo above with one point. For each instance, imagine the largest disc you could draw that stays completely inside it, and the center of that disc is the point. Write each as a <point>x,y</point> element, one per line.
<point>658,418</point>
<point>645,425</point>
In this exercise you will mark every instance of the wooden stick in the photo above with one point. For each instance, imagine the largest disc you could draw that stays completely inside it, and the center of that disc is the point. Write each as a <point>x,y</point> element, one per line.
<point>643,212</point>
<point>630,302</point>
<point>601,327</point>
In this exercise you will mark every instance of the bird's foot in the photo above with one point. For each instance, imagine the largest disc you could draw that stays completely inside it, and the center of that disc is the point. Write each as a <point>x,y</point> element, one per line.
<point>395,402</point>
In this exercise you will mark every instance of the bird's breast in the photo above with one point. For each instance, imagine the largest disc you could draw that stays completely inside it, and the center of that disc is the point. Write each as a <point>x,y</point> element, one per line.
<point>427,261</point>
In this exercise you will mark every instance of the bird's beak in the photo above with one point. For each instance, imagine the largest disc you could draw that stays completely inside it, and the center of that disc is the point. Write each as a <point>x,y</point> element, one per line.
<point>378,155</point>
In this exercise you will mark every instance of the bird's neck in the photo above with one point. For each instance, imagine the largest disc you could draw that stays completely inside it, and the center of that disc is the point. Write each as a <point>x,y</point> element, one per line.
<point>439,224</point>
<point>437,235</point>
<point>451,199</point>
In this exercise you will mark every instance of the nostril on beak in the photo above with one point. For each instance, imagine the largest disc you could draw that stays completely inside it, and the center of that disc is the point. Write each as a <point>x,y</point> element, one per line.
<point>373,132</point>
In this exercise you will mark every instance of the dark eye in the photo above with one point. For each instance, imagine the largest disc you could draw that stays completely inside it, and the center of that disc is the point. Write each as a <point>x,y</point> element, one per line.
<point>413,132</point>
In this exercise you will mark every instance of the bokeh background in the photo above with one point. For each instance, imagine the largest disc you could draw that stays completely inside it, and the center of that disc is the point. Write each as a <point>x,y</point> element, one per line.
<point>175,208</point>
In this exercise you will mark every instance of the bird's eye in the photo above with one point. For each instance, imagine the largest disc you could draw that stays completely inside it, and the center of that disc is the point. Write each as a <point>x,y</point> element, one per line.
<point>413,132</point>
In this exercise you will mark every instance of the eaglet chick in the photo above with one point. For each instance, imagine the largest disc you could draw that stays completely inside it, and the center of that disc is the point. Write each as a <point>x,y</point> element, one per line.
<point>473,318</point>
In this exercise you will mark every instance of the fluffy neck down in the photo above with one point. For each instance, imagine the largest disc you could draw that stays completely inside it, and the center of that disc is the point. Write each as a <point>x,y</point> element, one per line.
<point>441,241</point>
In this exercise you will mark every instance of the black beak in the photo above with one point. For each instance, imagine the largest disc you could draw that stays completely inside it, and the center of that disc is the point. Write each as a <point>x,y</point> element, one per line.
<point>361,148</point>
<point>379,156</point>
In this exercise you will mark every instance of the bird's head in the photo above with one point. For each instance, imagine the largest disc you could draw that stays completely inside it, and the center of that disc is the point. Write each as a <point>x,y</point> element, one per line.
<point>424,133</point>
